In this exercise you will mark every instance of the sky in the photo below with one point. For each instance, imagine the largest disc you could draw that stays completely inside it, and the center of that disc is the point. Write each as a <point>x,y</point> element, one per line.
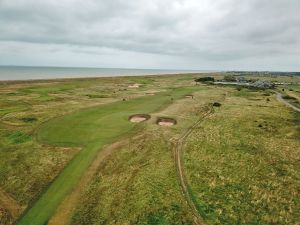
<point>154,34</point>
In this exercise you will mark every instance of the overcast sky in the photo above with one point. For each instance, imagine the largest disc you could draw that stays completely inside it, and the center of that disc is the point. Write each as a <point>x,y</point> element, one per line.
<point>165,34</point>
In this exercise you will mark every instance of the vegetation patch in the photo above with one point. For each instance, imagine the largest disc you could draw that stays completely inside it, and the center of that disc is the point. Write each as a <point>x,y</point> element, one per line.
<point>288,97</point>
<point>217,104</point>
<point>98,95</point>
<point>205,79</point>
<point>29,119</point>
<point>19,137</point>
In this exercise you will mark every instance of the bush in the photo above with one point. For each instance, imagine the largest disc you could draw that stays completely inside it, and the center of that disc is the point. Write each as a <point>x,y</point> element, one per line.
<point>205,79</point>
<point>217,104</point>
<point>288,97</point>
<point>29,119</point>
<point>229,78</point>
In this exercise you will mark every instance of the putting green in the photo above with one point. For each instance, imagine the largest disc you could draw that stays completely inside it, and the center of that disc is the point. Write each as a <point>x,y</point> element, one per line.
<point>90,128</point>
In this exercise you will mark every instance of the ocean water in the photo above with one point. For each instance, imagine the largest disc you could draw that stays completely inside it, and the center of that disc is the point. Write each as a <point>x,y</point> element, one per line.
<point>31,73</point>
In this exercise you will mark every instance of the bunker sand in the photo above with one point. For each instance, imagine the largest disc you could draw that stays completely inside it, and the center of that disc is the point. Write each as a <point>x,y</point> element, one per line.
<point>162,121</point>
<point>138,118</point>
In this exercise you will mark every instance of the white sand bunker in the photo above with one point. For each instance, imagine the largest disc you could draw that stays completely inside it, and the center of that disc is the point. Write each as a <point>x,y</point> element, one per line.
<point>163,121</point>
<point>134,86</point>
<point>189,96</point>
<point>138,118</point>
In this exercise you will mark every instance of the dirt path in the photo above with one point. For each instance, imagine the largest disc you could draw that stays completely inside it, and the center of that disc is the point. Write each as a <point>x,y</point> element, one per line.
<point>14,208</point>
<point>65,211</point>
<point>179,166</point>
<point>279,98</point>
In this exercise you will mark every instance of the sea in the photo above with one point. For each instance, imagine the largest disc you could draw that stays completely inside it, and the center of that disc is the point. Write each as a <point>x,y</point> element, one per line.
<point>36,73</point>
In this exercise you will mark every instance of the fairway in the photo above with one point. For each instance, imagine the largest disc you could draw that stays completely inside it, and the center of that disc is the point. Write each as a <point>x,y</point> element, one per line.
<point>91,129</point>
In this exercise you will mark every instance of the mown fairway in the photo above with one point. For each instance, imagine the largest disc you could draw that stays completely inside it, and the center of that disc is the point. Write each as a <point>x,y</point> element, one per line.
<point>91,129</point>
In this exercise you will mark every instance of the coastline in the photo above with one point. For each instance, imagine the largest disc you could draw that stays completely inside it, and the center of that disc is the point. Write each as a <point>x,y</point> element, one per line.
<point>45,80</point>
<point>24,73</point>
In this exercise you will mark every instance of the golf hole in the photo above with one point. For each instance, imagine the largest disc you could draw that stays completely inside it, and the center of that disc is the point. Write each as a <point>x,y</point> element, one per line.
<point>138,118</point>
<point>163,121</point>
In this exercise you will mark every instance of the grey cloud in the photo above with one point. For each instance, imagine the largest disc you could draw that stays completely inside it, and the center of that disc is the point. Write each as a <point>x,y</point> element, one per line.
<point>203,30</point>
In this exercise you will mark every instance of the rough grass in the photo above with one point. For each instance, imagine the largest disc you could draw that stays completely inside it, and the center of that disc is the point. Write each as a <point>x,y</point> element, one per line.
<point>136,185</point>
<point>243,163</point>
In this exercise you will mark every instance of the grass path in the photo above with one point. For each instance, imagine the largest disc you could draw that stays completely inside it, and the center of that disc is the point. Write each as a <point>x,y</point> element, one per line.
<point>279,98</point>
<point>179,166</point>
<point>90,128</point>
<point>65,211</point>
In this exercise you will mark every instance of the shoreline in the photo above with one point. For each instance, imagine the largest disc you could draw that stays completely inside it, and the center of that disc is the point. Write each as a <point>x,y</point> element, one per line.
<point>33,80</point>
<point>23,73</point>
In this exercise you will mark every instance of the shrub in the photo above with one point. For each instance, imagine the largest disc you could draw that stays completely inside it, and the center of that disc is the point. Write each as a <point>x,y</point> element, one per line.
<point>205,79</point>
<point>230,78</point>
<point>29,119</point>
<point>288,97</point>
<point>217,104</point>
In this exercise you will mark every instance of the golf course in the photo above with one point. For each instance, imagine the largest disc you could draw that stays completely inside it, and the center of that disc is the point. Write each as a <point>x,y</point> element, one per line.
<point>90,129</point>
<point>148,150</point>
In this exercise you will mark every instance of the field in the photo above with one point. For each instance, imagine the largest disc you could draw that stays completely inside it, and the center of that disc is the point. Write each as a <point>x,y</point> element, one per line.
<point>69,154</point>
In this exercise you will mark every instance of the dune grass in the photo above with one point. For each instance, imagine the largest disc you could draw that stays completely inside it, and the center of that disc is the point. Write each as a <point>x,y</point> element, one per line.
<point>242,164</point>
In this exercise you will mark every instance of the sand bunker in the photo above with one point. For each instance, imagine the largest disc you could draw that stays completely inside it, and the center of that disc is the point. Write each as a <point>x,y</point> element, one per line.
<point>163,121</point>
<point>134,86</point>
<point>137,118</point>
<point>189,96</point>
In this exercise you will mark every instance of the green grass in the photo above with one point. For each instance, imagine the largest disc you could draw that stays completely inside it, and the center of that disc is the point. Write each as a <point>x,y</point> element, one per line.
<point>19,137</point>
<point>91,129</point>
<point>293,87</point>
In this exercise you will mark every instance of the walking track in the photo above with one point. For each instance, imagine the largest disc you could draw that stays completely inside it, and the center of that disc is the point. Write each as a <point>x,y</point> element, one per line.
<point>279,98</point>
<point>179,166</point>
